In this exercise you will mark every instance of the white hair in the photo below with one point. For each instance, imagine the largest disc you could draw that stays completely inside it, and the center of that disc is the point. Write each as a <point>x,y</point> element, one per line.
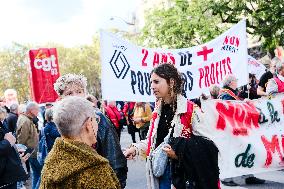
<point>228,80</point>
<point>67,79</point>
<point>14,108</point>
<point>70,114</point>
<point>48,114</point>
<point>10,91</point>
<point>31,105</point>
<point>278,64</point>
<point>214,90</point>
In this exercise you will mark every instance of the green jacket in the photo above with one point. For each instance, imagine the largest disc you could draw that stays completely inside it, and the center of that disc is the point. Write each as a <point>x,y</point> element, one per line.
<point>72,164</point>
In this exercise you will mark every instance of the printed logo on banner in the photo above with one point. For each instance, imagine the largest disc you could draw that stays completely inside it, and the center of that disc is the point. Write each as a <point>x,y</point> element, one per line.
<point>44,72</point>
<point>204,52</point>
<point>42,61</point>
<point>231,44</point>
<point>119,64</point>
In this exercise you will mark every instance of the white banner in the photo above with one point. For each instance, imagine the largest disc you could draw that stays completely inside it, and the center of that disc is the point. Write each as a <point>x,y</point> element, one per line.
<point>249,135</point>
<point>255,67</point>
<point>126,68</point>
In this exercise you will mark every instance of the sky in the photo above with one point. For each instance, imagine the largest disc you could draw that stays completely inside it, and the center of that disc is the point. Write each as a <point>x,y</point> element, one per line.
<point>68,22</point>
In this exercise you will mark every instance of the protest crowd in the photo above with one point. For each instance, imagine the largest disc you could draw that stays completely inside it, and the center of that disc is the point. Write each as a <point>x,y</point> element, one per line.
<point>83,131</point>
<point>74,141</point>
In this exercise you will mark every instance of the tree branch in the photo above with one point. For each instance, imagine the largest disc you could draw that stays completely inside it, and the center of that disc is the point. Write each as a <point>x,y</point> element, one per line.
<point>251,5</point>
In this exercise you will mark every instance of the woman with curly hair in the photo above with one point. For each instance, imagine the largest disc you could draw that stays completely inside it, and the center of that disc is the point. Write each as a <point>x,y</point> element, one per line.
<point>192,159</point>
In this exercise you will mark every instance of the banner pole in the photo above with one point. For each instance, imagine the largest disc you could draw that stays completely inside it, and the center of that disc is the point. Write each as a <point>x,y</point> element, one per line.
<point>248,87</point>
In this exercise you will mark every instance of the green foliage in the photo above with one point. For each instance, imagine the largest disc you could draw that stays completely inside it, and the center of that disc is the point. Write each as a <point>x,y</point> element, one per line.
<point>185,24</point>
<point>14,71</point>
<point>191,22</point>
<point>265,18</point>
<point>82,60</point>
<point>14,63</point>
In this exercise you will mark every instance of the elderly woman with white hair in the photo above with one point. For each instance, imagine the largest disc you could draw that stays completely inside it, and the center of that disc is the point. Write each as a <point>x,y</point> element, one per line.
<point>72,162</point>
<point>229,90</point>
<point>108,144</point>
<point>276,84</point>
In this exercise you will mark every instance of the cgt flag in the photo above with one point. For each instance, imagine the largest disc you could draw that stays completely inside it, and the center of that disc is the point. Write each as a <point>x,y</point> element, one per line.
<point>44,71</point>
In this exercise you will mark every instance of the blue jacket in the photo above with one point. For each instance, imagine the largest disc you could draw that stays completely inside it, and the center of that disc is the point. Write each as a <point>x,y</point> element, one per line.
<point>226,96</point>
<point>51,133</point>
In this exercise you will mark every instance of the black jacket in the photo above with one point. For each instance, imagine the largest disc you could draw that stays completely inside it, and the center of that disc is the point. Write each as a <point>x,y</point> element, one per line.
<point>12,122</point>
<point>11,169</point>
<point>109,147</point>
<point>197,164</point>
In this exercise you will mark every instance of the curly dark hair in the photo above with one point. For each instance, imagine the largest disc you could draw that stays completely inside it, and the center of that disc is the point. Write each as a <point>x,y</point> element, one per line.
<point>168,71</point>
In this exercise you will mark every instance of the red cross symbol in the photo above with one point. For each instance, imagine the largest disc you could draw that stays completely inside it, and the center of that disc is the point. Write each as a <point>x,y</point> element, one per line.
<point>204,52</point>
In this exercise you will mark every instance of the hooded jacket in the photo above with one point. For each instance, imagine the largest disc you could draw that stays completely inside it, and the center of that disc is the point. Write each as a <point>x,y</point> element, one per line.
<point>73,164</point>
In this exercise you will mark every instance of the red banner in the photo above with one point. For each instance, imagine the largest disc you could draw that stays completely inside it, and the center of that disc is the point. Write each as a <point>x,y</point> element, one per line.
<point>44,73</point>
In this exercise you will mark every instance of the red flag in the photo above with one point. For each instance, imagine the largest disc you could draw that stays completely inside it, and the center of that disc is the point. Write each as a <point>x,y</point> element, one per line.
<point>44,73</point>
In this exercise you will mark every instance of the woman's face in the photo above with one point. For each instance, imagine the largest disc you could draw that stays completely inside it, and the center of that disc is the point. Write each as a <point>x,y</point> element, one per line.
<point>159,86</point>
<point>73,90</point>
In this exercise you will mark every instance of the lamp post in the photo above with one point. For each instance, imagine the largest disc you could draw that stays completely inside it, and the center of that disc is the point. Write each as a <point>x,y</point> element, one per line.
<point>132,30</point>
<point>133,24</point>
<point>128,23</point>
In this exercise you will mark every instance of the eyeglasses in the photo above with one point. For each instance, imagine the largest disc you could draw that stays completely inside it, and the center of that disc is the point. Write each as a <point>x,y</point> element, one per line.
<point>96,117</point>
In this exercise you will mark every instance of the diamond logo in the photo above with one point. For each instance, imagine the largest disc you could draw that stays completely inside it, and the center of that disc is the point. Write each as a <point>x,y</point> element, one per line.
<point>119,64</point>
